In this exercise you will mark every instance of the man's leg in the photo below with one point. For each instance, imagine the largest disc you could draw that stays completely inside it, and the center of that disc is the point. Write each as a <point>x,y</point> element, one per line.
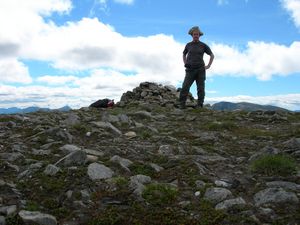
<point>187,83</point>
<point>200,81</point>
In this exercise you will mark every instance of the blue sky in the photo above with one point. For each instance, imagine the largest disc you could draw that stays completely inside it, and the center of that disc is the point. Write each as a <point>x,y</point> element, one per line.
<point>62,52</point>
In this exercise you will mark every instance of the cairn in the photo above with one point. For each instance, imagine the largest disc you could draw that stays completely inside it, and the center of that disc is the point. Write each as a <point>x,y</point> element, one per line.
<point>153,93</point>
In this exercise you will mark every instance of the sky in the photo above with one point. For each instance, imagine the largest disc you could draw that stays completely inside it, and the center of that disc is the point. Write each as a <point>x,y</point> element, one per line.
<point>73,52</point>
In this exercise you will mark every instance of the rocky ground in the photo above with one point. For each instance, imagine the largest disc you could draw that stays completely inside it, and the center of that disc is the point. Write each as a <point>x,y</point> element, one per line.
<point>147,162</point>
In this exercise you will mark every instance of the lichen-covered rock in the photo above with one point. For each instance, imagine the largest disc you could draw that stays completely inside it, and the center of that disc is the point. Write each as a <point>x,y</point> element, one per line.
<point>216,195</point>
<point>38,218</point>
<point>230,203</point>
<point>98,171</point>
<point>275,196</point>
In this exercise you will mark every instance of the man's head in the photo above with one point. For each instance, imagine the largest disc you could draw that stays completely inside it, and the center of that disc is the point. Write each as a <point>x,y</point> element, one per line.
<point>195,32</point>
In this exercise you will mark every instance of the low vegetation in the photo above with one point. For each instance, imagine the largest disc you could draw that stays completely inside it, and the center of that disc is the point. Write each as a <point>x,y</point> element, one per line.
<point>274,165</point>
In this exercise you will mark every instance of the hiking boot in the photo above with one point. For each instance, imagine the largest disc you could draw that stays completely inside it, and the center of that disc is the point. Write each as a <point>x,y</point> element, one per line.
<point>199,106</point>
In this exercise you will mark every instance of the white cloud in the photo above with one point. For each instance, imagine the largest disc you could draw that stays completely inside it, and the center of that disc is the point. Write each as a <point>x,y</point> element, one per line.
<point>293,7</point>
<point>90,44</point>
<point>289,101</point>
<point>83,96</point>
<point>259,59</point>
<point>14,71</point>
<point>19,20</point>
<point>41,96</point>
<point>74,91</point>
<point>57,80</point>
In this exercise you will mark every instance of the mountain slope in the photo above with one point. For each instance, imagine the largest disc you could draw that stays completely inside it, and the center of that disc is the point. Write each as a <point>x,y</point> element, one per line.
<point>148,162</point>
<point>246,106</point>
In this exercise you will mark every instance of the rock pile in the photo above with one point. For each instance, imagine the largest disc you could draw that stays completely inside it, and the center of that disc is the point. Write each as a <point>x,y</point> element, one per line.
<point>152,93</point>
<point>149,165</point>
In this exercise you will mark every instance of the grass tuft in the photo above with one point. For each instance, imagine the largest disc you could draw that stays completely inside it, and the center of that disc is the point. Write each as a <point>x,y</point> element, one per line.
<point>160,194</point>
<point>271,165</point>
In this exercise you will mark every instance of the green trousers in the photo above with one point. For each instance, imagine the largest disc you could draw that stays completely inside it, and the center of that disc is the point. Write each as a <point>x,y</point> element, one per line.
<point>192,75</point>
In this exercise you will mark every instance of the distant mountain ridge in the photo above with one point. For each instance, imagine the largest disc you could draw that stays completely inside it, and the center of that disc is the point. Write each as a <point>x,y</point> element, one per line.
<point>223,106</point>
<point>16,110</point>
<point>246,106</point>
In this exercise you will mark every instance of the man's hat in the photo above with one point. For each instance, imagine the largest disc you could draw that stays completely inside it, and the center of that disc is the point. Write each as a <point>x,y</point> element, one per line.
<point>195,28</point>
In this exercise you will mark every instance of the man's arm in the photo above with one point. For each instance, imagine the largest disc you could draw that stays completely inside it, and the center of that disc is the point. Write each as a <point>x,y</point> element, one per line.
<point>211,59</point>
<point>184,58</point>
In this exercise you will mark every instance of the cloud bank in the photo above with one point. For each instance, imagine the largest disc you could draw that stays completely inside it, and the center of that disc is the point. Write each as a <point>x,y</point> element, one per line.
<point>112,63</point>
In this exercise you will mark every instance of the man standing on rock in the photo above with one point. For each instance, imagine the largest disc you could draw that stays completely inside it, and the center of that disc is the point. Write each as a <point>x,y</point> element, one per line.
<point>195,67</point>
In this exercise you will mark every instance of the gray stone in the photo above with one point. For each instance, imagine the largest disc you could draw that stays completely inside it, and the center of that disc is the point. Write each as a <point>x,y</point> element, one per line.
<point>140,179</point>
<point>268,150</point>
<point>98,171</point>
<point>110,118</point>
<point>48,145</point>
<point>156,167</point>
<point>200,184</point>
<point>230,203</point>
<point>208,136</point>
<point>11,157</point>
<point>94,152</point>
<point>64,135</point>
<point>35,166</point>
<point>69,148</point>
<point>130,134</point>
<point>125,163</point>
<point>24,173</point>
<point>2,182</point>
<point>202,168</point>
<point>41,152</point>
<point>91,158</point>
<point>75,158</point>
<point>199,151</point>
<point>85,195</point>
<point>15,167</point>
<point>2,220</point>
<point>292,144</point>
<point>221,183</point>
<point>109,126</point>
<point>144,93</point>
<point>184,204</point>
<point>51,170</point>
<point>72,119</point>
<point>8,210</point>
<point>165,150</point>
<point>285,185</point>
<point>124,119</point>
<point>36,217</point>
<point>275,195</point>
<point>143,114</point>
<point>216,195</point>
<point>137,183</point>
<point>210,159</point>
<point>267,212</point>
<point>69,194</point>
